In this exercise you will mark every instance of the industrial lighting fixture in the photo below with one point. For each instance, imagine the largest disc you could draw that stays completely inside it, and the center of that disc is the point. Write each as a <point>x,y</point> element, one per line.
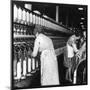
<point>80,8</point>
<point>82,18</point>
<point>81,22</point>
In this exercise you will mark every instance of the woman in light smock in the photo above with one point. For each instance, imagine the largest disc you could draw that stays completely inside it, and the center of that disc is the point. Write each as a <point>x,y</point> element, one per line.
<point>49,66</point>
<point>69,59</point>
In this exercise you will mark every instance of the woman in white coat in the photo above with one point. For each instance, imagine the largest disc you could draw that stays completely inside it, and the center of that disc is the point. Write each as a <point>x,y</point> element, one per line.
<point>49,66</point>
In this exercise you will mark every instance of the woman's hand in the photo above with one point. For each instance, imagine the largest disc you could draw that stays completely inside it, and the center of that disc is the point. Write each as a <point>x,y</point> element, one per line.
<point>79,54</point>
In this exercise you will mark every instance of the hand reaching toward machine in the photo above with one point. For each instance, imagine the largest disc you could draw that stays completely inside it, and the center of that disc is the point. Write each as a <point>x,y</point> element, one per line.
<point>79,54</point>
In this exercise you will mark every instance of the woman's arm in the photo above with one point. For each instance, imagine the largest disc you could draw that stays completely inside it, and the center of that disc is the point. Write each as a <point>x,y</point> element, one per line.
<point>82,49</point>
<point>74,47</point>
<point>36,47</point>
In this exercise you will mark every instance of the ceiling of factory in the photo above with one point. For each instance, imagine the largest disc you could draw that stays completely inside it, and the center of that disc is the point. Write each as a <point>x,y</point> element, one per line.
<point>69,15</point>
<point>72,16</point>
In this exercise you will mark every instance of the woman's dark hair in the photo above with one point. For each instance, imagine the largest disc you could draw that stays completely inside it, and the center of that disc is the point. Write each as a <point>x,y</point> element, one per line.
<point>38,29</point>
<point>78,33</point>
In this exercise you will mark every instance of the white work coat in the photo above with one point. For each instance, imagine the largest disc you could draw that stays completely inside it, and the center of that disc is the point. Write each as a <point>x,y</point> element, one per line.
<point>49,66</point>
<point>71,46</point>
